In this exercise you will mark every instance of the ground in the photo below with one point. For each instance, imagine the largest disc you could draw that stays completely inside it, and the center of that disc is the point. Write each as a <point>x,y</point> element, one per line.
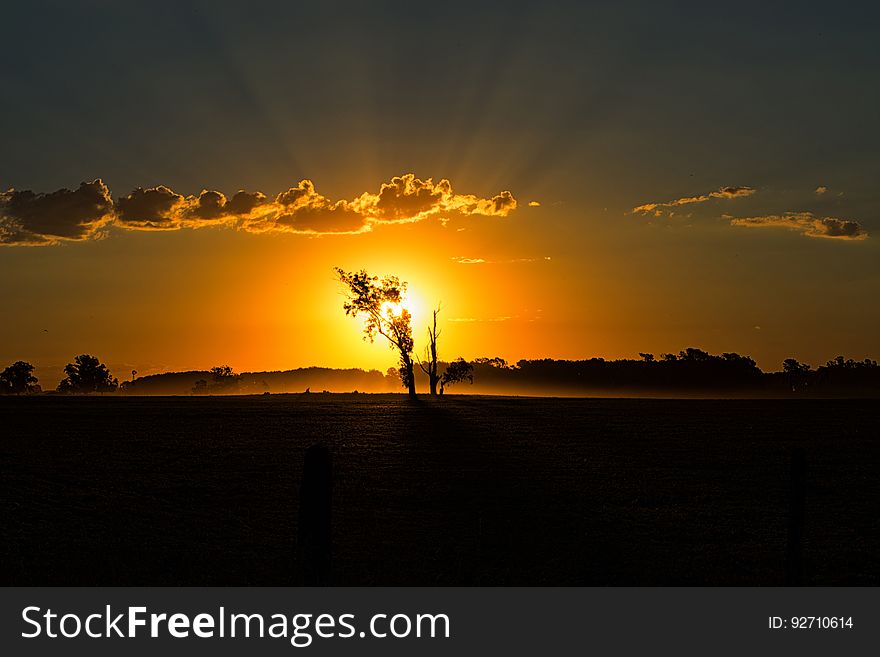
<point>461,490</point>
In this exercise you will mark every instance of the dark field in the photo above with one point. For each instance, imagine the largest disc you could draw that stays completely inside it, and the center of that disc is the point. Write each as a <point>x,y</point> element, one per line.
<point>466,490</point>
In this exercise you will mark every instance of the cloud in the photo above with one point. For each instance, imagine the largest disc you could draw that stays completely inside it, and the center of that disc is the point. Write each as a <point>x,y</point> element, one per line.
<point>149,209</point>
<point>27,218</point>
<point>821,189</point>
<point>211,206</point>
<point>301,209</point>
<point>407,199</point>
<point>471,320</point>
<point>807,224</point>
<point>32,219</point>
<point>461,260</point>
<point>534,204</point>
<point>731,192</point>
<point>243,203</point>
<point>721,193</point>
<point>497,206</point>
<point>160,208</point>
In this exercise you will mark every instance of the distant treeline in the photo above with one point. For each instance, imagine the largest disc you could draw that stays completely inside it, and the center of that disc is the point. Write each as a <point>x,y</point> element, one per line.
<point>690,372</point>
<point>222,381</point>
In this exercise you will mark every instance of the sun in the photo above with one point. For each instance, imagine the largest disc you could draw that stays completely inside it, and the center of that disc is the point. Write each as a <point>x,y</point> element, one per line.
<point>409,302</point>
<point>391,308</point>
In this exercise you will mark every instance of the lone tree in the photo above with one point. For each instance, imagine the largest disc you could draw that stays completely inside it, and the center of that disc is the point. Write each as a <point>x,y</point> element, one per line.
<point>457,371</point>
<point>431,356</point>
<point>87,374</point>
<point>18,378</point>
<point>378,301</point>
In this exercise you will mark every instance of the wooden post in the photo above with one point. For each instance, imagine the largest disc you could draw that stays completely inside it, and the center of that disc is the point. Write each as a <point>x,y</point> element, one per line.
<point>794,549</point>
<point>314,546</point>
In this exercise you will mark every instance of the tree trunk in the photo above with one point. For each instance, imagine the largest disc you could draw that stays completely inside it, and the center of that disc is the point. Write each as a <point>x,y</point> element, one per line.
<point>412,379</point>
<point>433,333</point>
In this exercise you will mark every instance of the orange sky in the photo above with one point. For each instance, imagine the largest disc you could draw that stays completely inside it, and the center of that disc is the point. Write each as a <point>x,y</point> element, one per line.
<point>547,281</point>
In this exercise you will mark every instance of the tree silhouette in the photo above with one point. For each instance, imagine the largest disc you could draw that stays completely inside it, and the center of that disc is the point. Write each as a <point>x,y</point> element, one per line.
<point>223,381</point>
<point>694,355</point>
<point>457,371</point>
<point>374,299</point>
<point>18,378</point>
<point>792,366</point>
<point>222,373</point>
<point>797,373</point>
<point>87,374</point>
<point>497,362</point>
<point>431,356</point>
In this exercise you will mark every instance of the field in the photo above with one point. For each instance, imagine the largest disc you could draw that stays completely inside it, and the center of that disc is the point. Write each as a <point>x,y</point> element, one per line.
<point>461,490</point>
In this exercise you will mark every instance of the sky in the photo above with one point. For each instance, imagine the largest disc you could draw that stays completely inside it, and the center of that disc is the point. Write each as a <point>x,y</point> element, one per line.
<point>566,180</point>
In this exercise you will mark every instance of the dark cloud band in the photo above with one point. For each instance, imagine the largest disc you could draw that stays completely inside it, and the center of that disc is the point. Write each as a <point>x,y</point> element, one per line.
<point>33,219</point>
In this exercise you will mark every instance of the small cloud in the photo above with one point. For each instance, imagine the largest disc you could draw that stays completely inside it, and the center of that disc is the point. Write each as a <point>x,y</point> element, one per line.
<point>659,208</point>
<point>534,204</point>
<point>732,192</point>
<point>470,320</point>
<point>821,189</point>
<point>482,261</point>
<point>807,224</point>
<point>757,328</point>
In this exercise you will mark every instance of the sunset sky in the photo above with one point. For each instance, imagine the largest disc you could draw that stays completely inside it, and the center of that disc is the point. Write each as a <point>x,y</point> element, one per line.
<point>569,180</point>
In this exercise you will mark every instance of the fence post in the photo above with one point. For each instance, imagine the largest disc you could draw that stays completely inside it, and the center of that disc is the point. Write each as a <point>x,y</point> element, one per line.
<point>314,549</point>
<point>794,549</point>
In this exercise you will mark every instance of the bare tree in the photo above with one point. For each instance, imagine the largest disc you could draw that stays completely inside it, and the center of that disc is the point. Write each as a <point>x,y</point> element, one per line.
<point>430,368</point>
<point>374,299</point>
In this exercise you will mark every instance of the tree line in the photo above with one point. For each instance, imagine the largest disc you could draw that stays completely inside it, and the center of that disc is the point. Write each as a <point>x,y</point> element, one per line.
<point>690,370</point>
